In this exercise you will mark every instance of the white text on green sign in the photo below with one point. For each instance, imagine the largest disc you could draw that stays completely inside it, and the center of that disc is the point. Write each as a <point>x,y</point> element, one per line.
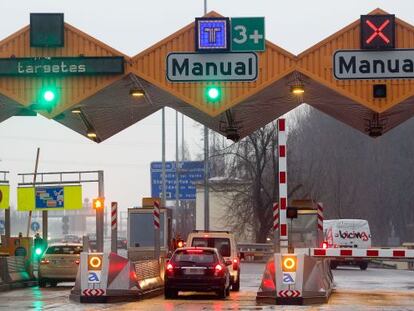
<point>247,34</point>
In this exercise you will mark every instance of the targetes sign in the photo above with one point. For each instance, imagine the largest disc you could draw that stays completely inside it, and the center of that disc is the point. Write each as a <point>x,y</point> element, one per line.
<point>193,67</point>
<point>357,64</point>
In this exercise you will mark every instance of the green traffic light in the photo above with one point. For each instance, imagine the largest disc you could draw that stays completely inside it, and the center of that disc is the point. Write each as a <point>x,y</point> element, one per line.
<point>213,93</point>
<point>38,251</point>
<point>49,95</point>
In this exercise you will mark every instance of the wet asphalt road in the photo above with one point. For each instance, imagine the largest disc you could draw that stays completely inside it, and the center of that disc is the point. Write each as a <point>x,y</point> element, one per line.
<point>374,289</point>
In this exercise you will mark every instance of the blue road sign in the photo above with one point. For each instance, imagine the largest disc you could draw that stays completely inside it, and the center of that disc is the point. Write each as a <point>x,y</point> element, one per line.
<point>35,226</point>
<point>49,197</point>
<point>2,225</point>
<point>189,172</point>
<point>212,34</point>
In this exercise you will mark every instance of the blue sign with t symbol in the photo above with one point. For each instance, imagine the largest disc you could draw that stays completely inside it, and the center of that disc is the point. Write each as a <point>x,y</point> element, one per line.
<point>212,34</point>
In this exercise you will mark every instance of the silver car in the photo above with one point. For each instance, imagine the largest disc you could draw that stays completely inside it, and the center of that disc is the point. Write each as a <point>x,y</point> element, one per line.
<point>59,263</point>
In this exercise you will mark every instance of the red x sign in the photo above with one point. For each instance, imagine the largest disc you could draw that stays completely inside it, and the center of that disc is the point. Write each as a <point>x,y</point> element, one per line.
<point>377,31</point>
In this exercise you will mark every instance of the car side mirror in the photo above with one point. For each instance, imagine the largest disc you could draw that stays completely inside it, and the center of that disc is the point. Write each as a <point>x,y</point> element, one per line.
<point>228,262</point>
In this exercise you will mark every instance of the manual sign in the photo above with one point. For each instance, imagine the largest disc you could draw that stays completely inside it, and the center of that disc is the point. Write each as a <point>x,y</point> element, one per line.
<point>187,67</point>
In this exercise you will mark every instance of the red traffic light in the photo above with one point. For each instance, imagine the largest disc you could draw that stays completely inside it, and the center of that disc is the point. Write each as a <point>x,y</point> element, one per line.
<point>98,203</point>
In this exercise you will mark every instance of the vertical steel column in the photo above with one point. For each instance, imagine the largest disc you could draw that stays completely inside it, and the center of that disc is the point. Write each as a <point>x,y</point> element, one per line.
<point>114,227</point>
<point>44,225</point>
<point>7,224</point>
<point>157,234</point>
<point>177,172</point>
<point>283,199</point>
<point>100,214</point>
<point>206,173</point>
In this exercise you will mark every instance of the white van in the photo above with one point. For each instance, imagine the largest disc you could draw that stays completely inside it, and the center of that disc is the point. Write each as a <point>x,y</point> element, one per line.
<point>225,243</point>
<point>353,233</point>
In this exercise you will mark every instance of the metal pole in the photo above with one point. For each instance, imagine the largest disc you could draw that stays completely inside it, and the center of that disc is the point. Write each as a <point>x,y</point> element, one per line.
<point>100,214</point>
<point>114,227</point>
<point>206,175</point>
<point>177,171</point>
<point>7,224</point>
<point>157,235</point>
<point>34,185</point>
<point>206,146</point>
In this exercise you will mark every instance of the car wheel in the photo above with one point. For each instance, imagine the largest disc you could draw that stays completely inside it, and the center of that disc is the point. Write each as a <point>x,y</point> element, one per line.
<point>170,294</point>
<point>228,291</point>
<point>334,265</point>
<point>222,293</point>
<point>53,284</point>
<point>363,265</point>
<point>42,283</point>
<point>236,286</point>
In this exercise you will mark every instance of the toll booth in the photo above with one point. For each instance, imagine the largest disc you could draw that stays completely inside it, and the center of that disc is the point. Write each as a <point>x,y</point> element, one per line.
<point>140,233</point>
<point>304,230</point>
<point>296,277</point>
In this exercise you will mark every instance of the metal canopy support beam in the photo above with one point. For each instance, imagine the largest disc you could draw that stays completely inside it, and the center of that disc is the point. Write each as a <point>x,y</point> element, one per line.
<point>7,223</point>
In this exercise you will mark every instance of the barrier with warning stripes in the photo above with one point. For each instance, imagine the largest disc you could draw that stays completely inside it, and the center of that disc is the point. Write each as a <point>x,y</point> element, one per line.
<point>379,253</point>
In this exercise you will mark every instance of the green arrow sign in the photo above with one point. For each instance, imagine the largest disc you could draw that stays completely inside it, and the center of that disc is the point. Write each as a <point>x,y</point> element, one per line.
<point>247,34</point>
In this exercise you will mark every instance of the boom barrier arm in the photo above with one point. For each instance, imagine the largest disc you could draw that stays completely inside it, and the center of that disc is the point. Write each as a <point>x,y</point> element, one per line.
<point>377,253</point>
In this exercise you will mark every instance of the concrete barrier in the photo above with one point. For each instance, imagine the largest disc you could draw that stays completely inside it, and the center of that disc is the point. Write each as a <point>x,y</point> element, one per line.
<point>116,279</point>
<point>14,273</point>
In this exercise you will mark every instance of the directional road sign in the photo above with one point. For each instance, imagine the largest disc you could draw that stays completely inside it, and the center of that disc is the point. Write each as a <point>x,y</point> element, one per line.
<point>49,197</point>
<point>189,172</point>
<point>247,34</point>
<point>35,226</point>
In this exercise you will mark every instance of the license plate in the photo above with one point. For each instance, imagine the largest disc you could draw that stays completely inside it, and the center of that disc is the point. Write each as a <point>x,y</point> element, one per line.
<point>194,271</point>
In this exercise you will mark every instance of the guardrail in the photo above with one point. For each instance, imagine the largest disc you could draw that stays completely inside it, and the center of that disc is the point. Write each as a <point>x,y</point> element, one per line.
<point>255,252</point>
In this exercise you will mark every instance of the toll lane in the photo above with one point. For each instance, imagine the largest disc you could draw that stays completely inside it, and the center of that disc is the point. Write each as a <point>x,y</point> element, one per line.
<point>372,289</point>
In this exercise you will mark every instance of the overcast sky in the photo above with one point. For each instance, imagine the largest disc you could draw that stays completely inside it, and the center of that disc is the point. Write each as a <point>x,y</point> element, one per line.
<point>130,27</point>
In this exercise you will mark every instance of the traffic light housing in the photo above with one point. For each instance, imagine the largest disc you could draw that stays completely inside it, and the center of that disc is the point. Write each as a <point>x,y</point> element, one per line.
<point>213,93</point>
<point>98,203</point>
<point>39,247</point>
<point>47,99</point>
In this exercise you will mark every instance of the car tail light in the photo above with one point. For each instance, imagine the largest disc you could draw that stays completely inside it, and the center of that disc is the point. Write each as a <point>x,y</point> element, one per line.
<point>195,251</point>
<point>218,270</point>
<point>44,262</point>
<point>77,261</point>
<point>235,263</point>
<point>325,245</point>
<point>170,269</point>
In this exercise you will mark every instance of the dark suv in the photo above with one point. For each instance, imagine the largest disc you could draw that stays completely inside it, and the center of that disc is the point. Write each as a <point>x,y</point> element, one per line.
<point>198,269</point>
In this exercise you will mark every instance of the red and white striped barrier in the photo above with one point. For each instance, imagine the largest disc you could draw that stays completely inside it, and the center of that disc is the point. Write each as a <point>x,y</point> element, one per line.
<point>288,293</point>
<point>320,216</point>
<point>93,292</point>
<point>275,217</point>
<point>114,215</point>
<point>385,253</point>
<point>156,214</point>
<point>282,152</point>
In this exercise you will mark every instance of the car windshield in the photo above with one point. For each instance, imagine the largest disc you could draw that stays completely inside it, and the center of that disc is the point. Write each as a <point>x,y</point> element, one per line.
<point>194,256</point>
<point>222,244</point>
<point>64,250</point>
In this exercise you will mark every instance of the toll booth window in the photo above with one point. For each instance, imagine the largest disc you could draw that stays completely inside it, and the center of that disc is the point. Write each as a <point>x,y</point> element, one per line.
<point>141,230</point>
<point>222,245</point>
<point>303,231</point>
<point>204,257</point>
<point>64,250</point>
